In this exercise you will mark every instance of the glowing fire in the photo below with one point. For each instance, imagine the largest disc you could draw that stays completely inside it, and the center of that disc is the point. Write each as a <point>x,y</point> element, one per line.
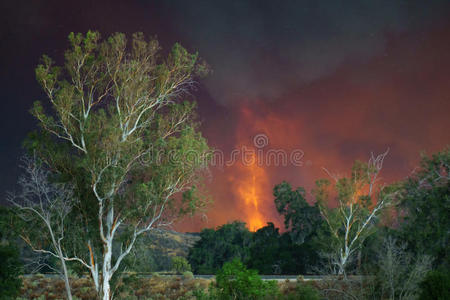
<point>250,189</point>
<point>251,182</point>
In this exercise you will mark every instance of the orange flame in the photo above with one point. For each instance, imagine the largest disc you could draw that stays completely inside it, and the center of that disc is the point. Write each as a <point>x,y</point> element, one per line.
<point>250,189</point>
<point>251,184</point>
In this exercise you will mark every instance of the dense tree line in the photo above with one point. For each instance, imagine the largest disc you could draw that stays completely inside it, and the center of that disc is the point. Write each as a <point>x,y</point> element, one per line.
<point>413,224</point>
<point>266,250</point>
<point>406,241</point>
<point>424,211</point>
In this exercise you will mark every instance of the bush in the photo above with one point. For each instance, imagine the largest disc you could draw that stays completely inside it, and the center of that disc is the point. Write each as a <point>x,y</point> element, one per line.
<point>200,294</point>
<point>180,264</point>
<point>234,281</point>
<point>188,275</point>
<point>436,286</point>
<point>128,283</point>
<point>10,270</point>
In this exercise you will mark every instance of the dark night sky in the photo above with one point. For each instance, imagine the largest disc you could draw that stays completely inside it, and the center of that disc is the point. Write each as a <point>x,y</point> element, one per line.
<point>336,79</point>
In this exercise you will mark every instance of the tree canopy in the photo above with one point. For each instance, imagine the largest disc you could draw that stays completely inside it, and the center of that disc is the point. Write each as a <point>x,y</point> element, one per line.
<point>219,246</point>
<point>300,218</point>
<point>120,131</point>
<point>424,209</point>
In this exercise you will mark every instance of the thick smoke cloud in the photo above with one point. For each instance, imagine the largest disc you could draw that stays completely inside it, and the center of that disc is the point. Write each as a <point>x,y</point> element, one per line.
<point>398,101</point>
<point>259,50</point>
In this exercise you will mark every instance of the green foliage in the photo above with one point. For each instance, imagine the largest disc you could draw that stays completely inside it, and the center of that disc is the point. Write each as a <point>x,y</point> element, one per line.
<point>152,252</point>
<point>200,294</point>
<point>219,246</point>
<point>10,270</point>
<point>436,286</point>
<point>300,218</point>
<point>180,264</point>
<point>272,253</point>
<point>353,220</point>
<point>188,275</point>
<point>123,132</point>
<point>117,101</point>
<point>265,250</point>
<point>10,224</point>
<point>424,209</point>
<point>127,283</point>
<point>235,281</point>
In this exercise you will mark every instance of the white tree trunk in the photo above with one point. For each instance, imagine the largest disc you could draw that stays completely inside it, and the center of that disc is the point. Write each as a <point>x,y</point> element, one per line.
<point>93,268</point>
<point>66,276</point>
<point>107,269</point>
<point>59,252</point>
<point>343,263</point>
<point>94,274</point>
<point>107,253</point>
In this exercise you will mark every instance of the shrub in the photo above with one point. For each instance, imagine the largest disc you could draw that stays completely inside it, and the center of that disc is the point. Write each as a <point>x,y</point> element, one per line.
<point>235,281</point>
<point>188,275</point>
<point>200,294</point>
<point>127,283</point>
<point>436,286</point>
<point>10,270</point>
<point>180,264</point>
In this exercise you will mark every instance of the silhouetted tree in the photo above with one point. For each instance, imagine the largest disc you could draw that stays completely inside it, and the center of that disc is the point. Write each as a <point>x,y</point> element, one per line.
<point>424,211</point>
<point>216,247</point>
<point>300,218</point>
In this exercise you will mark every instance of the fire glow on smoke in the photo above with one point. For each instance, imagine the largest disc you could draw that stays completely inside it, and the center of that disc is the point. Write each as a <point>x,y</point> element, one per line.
<point>249,179</point>
<point>250,190</point>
